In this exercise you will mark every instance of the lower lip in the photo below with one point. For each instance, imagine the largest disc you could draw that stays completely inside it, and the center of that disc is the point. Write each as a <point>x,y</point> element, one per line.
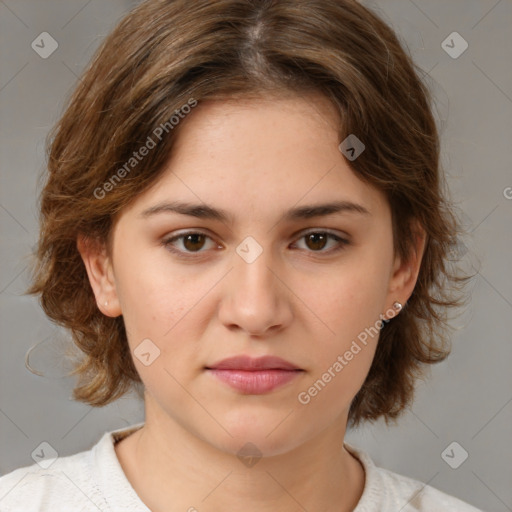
<point>255,382</point>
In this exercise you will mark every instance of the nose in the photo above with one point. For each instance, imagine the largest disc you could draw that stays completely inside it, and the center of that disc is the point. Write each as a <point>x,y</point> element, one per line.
<point>255,298</point>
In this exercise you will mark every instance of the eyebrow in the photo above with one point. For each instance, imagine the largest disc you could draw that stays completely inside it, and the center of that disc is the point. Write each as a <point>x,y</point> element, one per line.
<point>204,211</point>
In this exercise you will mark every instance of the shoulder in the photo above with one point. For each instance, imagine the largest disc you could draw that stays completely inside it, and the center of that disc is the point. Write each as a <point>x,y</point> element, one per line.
<point>421,497</point>
<point>91,480</point>
<point>65,484</point>
<point>387,491</point>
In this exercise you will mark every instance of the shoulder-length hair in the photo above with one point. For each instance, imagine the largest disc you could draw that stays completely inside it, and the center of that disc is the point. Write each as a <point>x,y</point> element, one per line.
<point>166,54</point>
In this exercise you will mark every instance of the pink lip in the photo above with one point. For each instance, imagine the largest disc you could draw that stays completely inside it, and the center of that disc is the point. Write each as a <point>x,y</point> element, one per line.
<point>253,363</point>
<point>254,375</point>
<point>255,382</point>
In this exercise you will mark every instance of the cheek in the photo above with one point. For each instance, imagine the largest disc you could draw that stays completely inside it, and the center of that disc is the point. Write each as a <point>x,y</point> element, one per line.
<point>349,305</point>
<point>166,306</point>
<point>159,308</point>
<point>152,293</point>
<point>353,296</point>
<point>346,341</point>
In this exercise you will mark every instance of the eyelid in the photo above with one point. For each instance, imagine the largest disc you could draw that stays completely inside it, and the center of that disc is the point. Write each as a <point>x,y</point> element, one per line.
<point>342,240</point>
<point>343,236</point>
<point>180,235</point>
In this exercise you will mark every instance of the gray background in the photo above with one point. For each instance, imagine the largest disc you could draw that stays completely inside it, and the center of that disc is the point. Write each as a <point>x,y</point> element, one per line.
<point>467,398</point>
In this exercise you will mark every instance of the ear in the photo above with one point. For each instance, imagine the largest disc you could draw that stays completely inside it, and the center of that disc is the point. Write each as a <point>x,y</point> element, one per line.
<point>405,273</point>
<point>101,274</point>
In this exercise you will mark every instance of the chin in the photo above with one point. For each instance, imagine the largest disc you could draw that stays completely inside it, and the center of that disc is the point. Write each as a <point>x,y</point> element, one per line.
<point>268,433</point>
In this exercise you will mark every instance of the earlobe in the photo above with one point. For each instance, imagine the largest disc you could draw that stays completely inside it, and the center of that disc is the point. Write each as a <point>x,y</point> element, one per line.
<point>100,273</point>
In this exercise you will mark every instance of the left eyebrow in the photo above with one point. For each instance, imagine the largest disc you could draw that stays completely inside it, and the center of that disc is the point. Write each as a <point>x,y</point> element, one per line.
<point>204,211</point>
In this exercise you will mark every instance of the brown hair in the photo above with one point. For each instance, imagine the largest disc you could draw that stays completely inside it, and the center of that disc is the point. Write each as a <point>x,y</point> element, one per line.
<point>165,53</point>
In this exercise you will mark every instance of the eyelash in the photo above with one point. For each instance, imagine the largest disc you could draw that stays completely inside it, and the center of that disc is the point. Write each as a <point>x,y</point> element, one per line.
<point>167,243</point>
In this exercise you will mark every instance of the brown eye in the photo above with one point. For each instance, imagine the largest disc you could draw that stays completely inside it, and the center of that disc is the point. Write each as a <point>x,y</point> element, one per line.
<point>193,242</point>
<point>188,243</point>
<point>316,241</point>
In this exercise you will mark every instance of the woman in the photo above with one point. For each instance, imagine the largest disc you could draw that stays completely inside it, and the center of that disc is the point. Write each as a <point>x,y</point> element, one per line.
<point>244,219</point>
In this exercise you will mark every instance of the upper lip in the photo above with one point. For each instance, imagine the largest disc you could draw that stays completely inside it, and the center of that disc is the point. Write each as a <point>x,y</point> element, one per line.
<point>243,362</point>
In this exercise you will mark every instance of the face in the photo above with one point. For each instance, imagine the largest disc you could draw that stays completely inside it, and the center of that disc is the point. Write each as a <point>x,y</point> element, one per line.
<point>250,271</point>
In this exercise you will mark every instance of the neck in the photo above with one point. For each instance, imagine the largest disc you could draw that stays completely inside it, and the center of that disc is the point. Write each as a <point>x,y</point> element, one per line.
<point>166,464</point>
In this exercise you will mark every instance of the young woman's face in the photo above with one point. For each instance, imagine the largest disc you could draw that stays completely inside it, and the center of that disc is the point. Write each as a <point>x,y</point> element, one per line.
<point>269,278</point>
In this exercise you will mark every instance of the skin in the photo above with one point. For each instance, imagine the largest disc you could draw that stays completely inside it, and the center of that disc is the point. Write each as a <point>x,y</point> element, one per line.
<point>299,300</point>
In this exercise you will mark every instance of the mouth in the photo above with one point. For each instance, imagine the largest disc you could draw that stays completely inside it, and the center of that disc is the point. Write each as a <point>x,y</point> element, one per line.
<point>255,382</point>
<point>247,363</point>
<point>254,376</point>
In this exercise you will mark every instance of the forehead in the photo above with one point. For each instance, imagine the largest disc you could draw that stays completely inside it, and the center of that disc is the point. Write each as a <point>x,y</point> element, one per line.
<point>260,154</point>
<point>250,124</point>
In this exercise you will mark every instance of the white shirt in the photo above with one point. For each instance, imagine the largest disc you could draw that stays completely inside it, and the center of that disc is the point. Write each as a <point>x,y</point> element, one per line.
<point>93,480</point>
